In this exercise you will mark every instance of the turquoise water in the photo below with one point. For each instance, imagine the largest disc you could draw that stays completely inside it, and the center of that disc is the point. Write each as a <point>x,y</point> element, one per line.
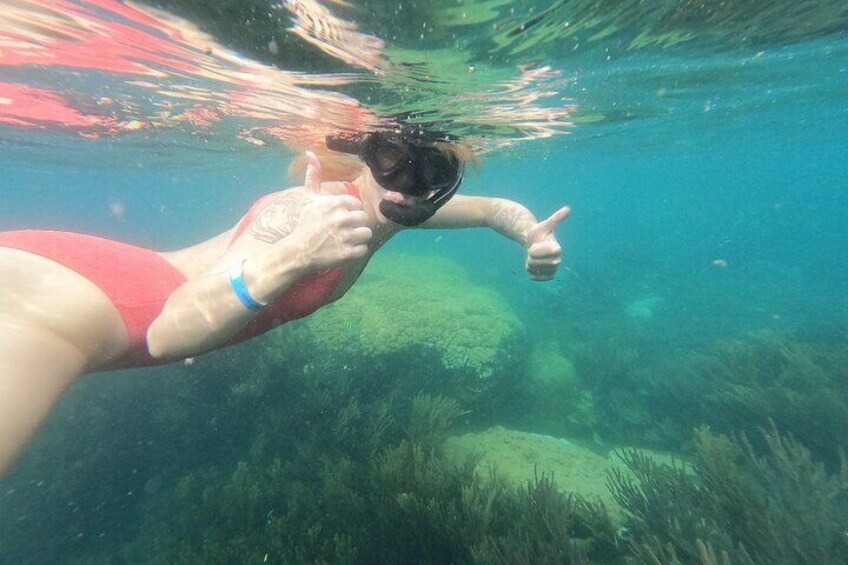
<point>705,166</point>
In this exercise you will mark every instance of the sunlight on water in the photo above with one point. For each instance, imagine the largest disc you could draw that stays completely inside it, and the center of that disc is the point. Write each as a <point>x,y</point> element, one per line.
<point>105,68</point>
<point>494,72</point>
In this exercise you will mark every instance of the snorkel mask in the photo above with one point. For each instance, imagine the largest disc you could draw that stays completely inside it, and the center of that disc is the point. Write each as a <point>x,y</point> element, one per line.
<point>410,165</point>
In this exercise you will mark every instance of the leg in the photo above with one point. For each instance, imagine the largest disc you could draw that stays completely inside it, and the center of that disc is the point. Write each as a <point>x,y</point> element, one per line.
<point>35,367</point>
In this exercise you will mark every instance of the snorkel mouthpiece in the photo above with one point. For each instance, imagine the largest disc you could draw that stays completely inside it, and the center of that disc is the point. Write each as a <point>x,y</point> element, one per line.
<point>413,166</point>
<point>408,216</point>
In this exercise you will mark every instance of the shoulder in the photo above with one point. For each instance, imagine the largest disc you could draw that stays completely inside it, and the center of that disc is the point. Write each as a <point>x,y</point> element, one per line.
<point>275,198</point>
<point>276,215</point>
<point>273,216</point>
<point>296,194</point>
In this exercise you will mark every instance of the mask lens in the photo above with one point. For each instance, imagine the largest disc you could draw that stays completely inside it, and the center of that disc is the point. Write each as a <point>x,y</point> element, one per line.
<point>385,155</point>
<point>409,168</point>
<point>438,170</point>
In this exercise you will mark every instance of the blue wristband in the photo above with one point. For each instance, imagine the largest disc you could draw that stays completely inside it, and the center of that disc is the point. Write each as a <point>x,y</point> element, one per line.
<point>238,286</point>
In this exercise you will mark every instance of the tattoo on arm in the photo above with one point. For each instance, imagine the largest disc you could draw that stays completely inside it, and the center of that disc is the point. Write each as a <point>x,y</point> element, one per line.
<point>511,219</point>
<point>278,219</point>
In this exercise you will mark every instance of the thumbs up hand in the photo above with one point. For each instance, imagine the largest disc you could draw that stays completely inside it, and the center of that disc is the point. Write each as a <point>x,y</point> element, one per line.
<point>312,180</point>
<point>544,253</point>
<point>332,229</point>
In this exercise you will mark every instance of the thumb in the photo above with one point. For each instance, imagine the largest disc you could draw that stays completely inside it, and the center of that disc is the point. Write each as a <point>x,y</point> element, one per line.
<point>548,225</point>
<point>312,182</point>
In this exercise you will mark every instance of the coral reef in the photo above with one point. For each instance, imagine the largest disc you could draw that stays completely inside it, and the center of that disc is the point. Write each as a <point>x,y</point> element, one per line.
<point>732,386</point>
<point>405,304</point>
<point>417,322</point>
<point>88,465</point>
<point>258,454</point>
<point>550,398</point>
<point>613,371</point>
<point>543,526</point>
<point>338,440</point>
<point>799,385</point>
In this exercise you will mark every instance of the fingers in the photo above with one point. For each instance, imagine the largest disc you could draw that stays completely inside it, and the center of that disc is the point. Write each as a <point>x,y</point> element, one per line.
<point>353,234</point>
<point>555,219</point>
<point>543,260</point>
<point>360,236</point>
<point>547,226</point>
<point>542,271</point>
<point>354,243</point>
<point>544,254</point>
<point>544,250</point>
<point>312,182</point>
<point>349,202</point>
<point>359,251</point>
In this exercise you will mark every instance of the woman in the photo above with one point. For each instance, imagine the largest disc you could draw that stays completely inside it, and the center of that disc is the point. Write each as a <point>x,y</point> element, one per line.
<point>73,304</point>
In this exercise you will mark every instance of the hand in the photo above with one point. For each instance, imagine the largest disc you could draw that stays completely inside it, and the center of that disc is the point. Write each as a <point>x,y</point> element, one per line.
<point>333,229</point>
<point>544,253</point>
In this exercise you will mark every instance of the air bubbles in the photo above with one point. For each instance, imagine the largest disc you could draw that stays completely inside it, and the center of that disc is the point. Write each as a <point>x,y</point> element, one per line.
<point>719,263</point>
<point>117,210</point>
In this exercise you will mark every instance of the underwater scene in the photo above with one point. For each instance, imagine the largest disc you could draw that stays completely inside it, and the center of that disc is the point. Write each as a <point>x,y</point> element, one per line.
<point>678,394</point>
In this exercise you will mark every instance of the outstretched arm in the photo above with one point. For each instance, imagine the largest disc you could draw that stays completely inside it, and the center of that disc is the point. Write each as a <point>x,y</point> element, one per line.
<point>512,220</point>
<point>300,232</point>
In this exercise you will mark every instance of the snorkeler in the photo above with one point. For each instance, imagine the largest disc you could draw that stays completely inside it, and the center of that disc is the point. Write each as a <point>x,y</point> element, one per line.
<point>73,304</point>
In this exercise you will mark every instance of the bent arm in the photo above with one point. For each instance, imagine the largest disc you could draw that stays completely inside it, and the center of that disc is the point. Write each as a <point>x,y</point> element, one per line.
<point>508,218</point>
<point>205,312</point>
<point>298,232</point>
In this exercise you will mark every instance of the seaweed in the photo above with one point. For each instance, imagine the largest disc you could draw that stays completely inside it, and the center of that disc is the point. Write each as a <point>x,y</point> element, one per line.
<point>775,505</point>
<point>432,418</point>
<point>732,386</point>
<point>799,385</point>
<point>404,504</point>
<point>542,525</point>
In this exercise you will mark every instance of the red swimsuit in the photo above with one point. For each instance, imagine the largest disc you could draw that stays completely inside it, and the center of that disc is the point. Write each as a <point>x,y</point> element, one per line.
<point>138,281</point>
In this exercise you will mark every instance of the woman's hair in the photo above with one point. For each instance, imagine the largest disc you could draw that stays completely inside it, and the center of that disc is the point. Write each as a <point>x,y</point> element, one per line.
<point>336,166</point>
<point>461,152</point>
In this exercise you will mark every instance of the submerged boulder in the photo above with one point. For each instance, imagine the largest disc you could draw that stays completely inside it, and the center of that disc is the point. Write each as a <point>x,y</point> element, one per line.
<point>420,318</point>
<point>519,457</point>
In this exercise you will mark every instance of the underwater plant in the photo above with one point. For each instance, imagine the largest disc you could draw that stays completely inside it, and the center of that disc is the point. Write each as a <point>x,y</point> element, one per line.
<point>78,481</point>
<point>613,371</point>
<point>431,418</point>
<point>405,504</point>
<point>545,526</point>
<point>799,385</point>
<point>732,386</point>
<point>775,506</point>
